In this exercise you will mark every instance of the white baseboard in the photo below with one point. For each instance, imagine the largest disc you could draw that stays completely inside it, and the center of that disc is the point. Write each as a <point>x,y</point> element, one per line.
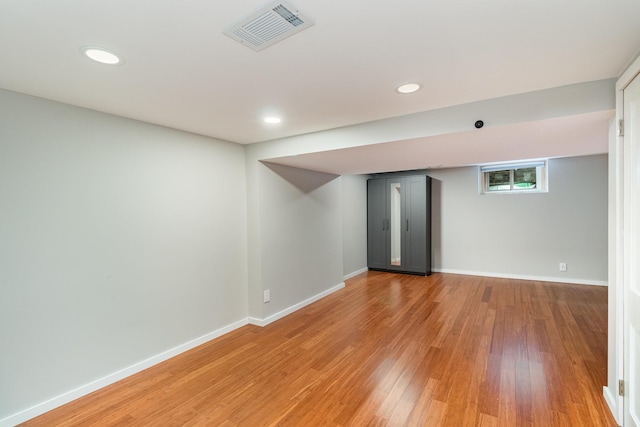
<point>612,403</point>
<point>522,277</point>
<point>74,394</point>
<point>355,273</point>
<point>281,314</point>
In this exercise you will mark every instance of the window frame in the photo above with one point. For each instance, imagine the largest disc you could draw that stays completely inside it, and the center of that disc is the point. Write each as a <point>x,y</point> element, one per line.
<point>542,173</point>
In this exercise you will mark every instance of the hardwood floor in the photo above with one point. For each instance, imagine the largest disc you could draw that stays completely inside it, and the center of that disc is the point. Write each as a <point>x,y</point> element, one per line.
<point>395,350</point>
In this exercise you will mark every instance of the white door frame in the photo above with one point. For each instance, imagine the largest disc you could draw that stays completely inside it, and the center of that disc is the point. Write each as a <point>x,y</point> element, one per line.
<point>618,242</point>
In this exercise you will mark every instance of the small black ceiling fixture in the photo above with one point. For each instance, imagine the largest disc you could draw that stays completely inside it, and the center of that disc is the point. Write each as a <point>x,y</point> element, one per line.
<point>479,124</point>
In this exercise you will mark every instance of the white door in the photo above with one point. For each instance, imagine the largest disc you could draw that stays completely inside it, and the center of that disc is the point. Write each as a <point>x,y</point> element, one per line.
<point>632,248</point>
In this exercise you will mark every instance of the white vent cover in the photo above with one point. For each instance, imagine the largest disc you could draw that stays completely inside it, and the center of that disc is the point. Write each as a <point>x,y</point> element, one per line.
<point>269,24</point>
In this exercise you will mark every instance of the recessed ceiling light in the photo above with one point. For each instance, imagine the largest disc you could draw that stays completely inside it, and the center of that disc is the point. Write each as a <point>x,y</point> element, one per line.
<point>272,120</point>
<point>102,55</point>
<point>408,88</point>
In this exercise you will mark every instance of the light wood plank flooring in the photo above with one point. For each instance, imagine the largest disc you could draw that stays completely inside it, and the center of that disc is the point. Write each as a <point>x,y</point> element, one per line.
<point>389,349</point>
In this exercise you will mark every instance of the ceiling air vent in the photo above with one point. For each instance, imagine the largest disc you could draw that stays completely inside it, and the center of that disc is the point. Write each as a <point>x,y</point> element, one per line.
<point>266,26</point>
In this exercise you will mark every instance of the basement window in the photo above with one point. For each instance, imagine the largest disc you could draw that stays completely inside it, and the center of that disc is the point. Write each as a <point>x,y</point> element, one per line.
<point>528,177</point>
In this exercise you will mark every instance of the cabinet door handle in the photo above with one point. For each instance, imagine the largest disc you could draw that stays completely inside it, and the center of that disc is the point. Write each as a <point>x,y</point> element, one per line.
<point>384,224</point>
<point>407,225</point>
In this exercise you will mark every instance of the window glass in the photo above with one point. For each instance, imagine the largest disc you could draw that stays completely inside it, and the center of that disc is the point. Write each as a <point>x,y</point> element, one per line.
<point>524,179</point>
<point>499,180</point>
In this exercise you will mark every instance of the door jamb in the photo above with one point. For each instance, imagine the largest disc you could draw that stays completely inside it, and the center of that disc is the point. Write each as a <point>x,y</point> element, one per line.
<point>618,242</point>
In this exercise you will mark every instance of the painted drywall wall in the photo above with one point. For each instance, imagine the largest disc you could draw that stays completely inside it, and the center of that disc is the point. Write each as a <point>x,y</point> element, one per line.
<point>301,231</point>
<point>118,240</point>
<point>354,224</point>
<point>524,235</point>
<point>294,233</point>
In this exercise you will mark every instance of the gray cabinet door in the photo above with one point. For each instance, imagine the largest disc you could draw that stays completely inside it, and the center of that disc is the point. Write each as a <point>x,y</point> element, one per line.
<point>418,221</point>
<point>376,224</point>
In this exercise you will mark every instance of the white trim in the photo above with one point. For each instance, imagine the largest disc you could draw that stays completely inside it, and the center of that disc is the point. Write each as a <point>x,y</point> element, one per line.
<point>507,166</point>
<point>616,273</point>
<point>355,273</point>
<point>522,277</point>
<point>611,402</point>
<point>615,268</point>
<point>295,307</point>
<point>76,393</point>
<point>630,73</point>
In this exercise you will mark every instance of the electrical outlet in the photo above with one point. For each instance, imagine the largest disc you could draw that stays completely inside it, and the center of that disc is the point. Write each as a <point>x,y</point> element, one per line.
<point>563,266</point>
<point>267,296</point>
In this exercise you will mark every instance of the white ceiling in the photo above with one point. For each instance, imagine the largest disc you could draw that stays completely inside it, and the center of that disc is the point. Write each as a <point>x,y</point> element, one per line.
<point>182,72</point>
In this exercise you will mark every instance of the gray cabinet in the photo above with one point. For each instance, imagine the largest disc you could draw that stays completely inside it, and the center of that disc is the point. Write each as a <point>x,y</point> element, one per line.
<point>399,223</point>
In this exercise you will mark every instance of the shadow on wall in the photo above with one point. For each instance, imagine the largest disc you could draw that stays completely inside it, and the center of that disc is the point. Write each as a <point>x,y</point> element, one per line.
<point>436,223</point>
<point>303,179</point>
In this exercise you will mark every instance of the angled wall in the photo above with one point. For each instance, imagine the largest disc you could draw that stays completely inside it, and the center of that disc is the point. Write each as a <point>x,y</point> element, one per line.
<point>354,224</point>
<point>295,236</point>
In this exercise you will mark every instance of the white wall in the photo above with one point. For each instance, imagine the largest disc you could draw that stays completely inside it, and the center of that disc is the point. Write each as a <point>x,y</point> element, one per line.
<point>118,240</point>
<point>301,231</point>
<point>354,224</point>
<point>295,234</point>
<point>524,235</point>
